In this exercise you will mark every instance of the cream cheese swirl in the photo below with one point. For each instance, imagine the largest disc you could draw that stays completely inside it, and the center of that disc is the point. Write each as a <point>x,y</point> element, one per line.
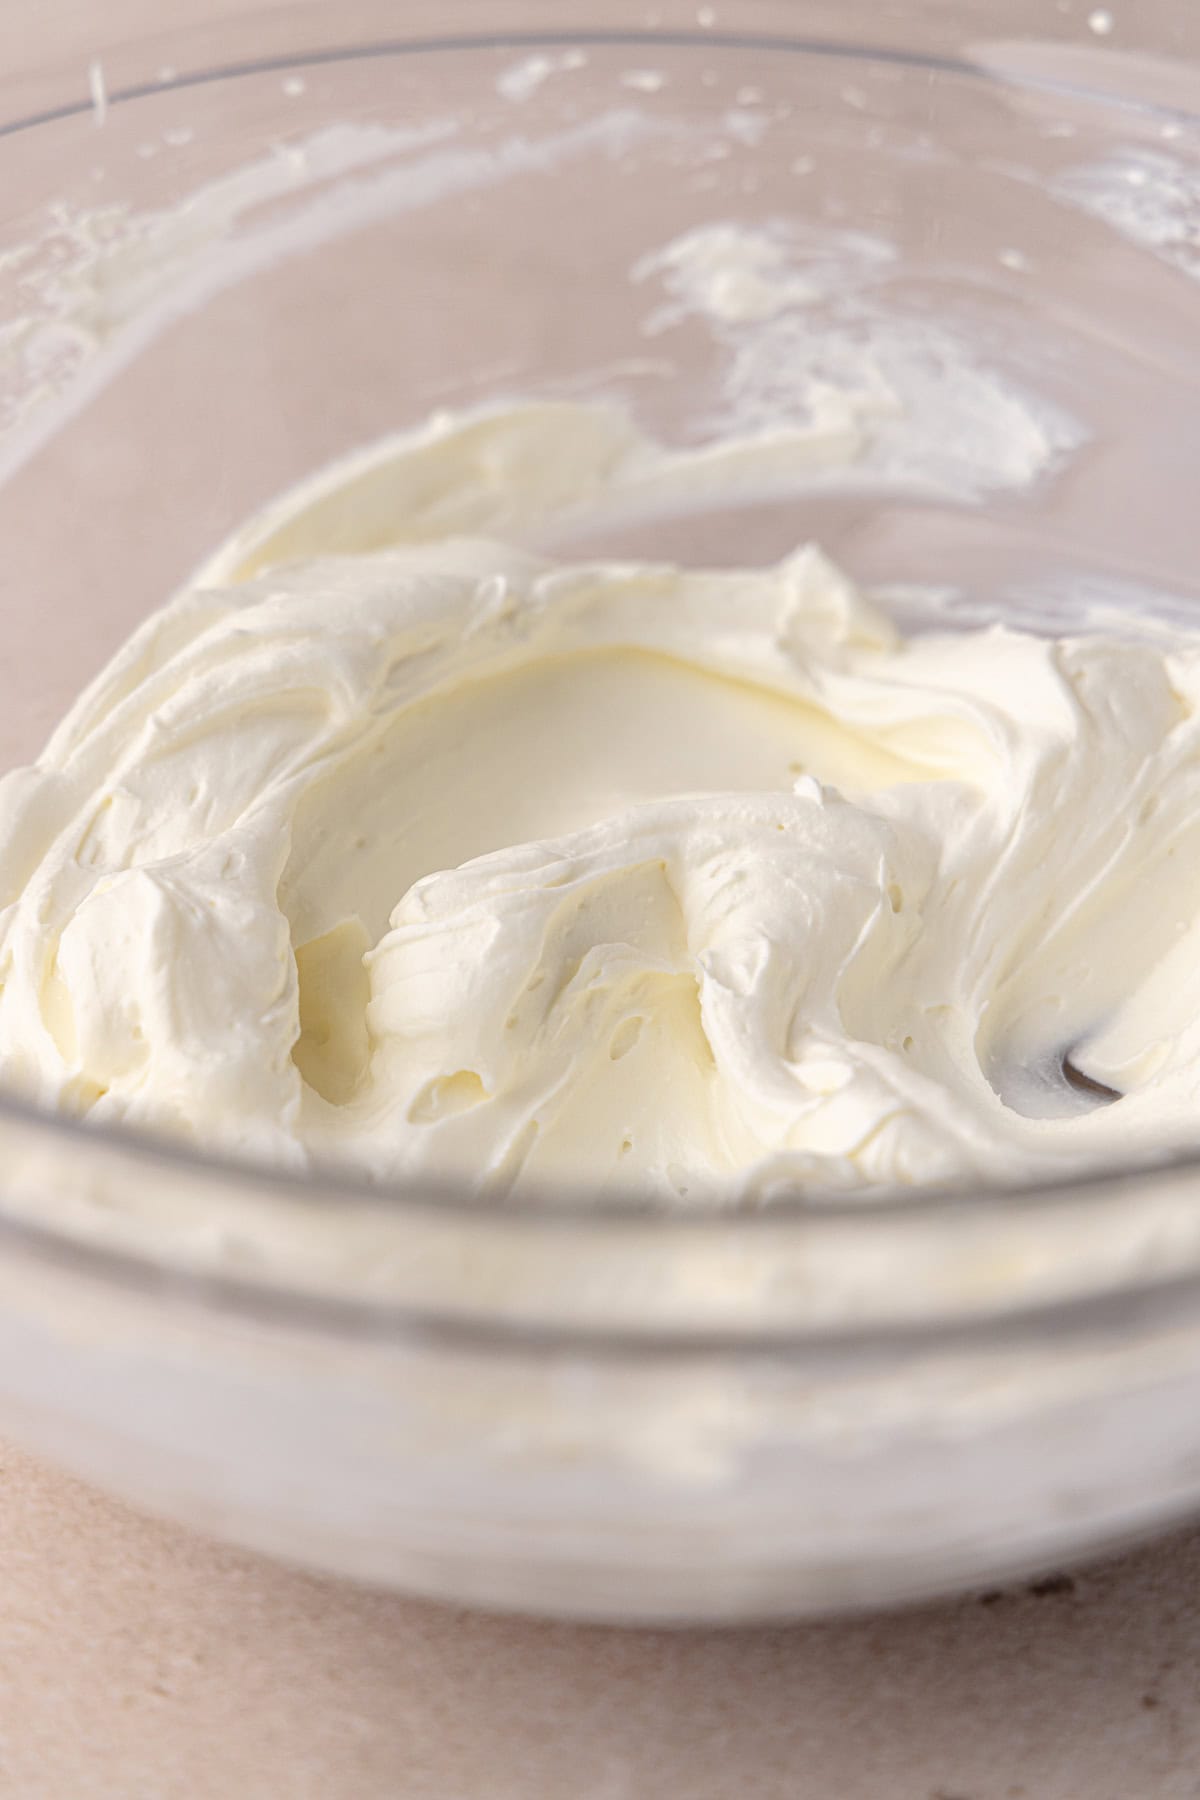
<point>391,842</point>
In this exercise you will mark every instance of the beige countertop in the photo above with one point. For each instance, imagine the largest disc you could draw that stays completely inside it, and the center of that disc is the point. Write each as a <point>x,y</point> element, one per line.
<point>140,1663</point>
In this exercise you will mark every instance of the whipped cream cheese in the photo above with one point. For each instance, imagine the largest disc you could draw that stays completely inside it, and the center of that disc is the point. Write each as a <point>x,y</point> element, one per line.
<point>391,841</point>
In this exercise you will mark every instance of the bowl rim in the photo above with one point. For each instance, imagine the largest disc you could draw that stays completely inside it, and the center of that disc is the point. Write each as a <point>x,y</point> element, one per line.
<point>1167,1301</point>
<point>650,37</point>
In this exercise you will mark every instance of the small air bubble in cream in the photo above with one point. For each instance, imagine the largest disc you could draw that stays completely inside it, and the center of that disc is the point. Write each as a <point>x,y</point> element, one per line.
<point>294,86</point>
<point>1101,21</point>
<point>1015,260</point>
<point>644,81</point>
<point>706,17</point>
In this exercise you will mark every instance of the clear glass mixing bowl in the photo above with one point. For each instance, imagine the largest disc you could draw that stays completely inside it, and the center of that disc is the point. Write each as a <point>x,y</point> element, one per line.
<point>242,242</point>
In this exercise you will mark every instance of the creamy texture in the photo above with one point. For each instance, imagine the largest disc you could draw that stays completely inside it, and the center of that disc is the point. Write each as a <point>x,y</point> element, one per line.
<point>390,841</point>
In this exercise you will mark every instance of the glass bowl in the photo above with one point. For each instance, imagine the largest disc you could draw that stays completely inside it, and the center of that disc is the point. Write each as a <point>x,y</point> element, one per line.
<point>253,240</point>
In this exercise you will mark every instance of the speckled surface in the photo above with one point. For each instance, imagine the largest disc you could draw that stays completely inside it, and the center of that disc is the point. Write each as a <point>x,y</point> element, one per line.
<point>140,1663</point>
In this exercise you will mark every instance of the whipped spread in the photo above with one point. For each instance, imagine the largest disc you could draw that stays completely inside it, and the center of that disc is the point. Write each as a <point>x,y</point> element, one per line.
<point>391,841</point>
